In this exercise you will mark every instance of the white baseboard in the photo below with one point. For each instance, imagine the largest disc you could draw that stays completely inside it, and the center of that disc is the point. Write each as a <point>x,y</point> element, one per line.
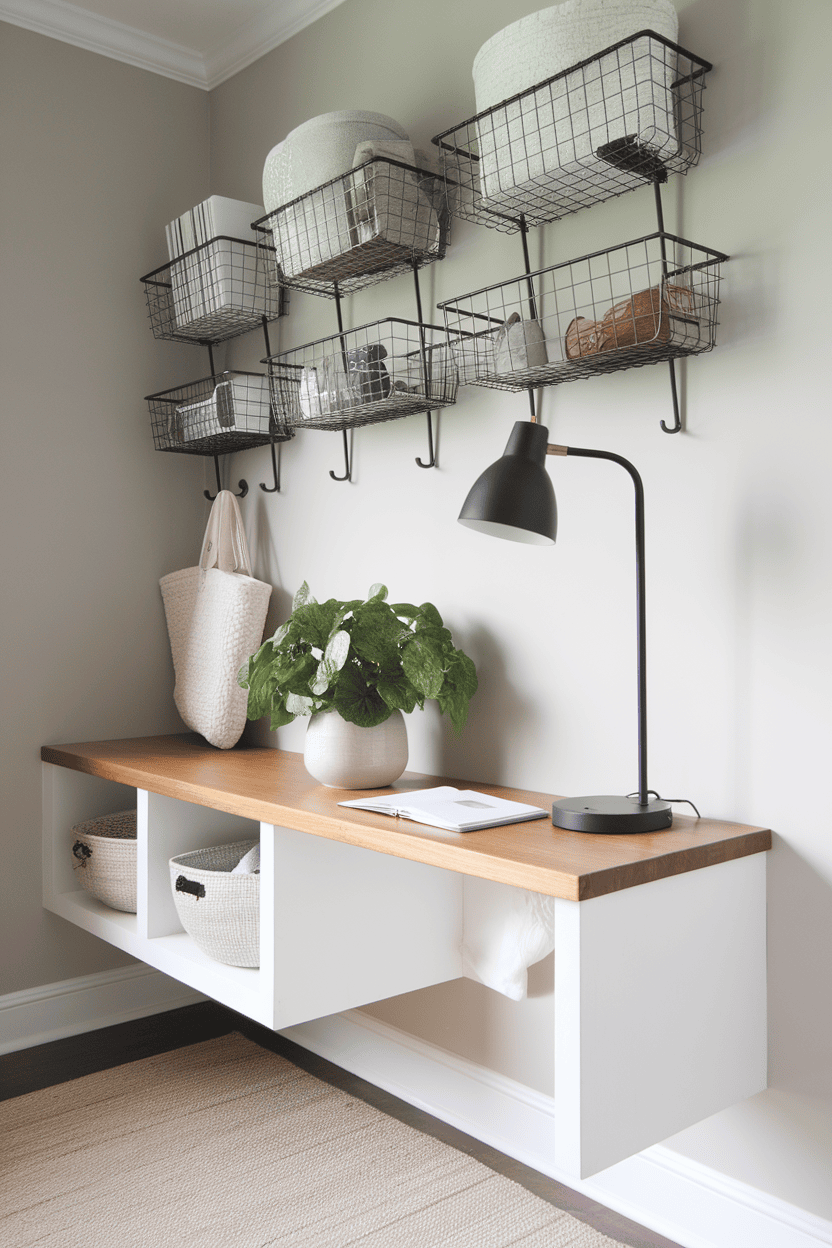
<point>659,1188</point>
<point>688,1202</point>
<point>74,1006</point>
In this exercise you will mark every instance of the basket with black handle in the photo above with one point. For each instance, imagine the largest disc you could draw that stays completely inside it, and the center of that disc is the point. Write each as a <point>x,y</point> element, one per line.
<point>219,910</point>
<point>104,858</point>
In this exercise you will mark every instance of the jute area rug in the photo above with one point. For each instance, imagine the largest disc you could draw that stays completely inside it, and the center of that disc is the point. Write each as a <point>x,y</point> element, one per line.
<point>225,1145</point>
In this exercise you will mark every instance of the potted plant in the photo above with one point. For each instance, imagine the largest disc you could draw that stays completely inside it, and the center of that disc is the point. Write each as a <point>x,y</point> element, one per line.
<point>354,668</point>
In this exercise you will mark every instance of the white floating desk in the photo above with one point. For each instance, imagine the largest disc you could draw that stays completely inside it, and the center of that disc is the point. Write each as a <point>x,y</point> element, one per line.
<point>660,1000</point>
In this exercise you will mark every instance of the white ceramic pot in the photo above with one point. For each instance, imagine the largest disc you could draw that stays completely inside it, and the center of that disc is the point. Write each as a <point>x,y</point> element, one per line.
<point>344,756</point>
<point>319,150</point>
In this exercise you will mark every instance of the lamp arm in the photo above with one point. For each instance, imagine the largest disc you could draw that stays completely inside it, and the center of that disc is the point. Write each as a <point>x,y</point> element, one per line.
<point>641,623</point>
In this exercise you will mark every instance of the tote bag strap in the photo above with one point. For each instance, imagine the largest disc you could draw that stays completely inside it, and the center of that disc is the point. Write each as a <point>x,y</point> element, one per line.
<point>224,545</point>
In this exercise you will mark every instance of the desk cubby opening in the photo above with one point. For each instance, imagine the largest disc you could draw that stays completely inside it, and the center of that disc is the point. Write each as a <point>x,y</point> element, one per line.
<point>77,798</point>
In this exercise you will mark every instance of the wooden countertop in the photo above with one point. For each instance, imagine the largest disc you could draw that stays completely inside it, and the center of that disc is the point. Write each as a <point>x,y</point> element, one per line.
<point>273,786</point>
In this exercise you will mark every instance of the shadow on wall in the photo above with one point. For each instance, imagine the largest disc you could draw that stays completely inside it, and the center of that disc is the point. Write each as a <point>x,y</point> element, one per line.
<point>499,720</point>
<point>799,963</point>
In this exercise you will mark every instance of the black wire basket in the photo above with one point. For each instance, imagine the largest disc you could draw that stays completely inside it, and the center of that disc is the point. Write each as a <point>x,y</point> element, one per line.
<point>630,115</point>
<point>379,220</point>
<point>382,371</point>
<point>213,292</point>
<point>639,303</point>
<point>229,411</point>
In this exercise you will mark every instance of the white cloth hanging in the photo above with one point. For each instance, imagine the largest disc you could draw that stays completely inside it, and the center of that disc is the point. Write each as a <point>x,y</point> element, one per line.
<point>505,931</point>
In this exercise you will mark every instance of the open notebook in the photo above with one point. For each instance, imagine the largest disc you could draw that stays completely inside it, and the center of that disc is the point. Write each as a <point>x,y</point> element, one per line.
<point>458,810</point>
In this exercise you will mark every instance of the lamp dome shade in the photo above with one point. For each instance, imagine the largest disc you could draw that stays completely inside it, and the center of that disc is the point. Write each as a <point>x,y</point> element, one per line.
<point>514,498</point>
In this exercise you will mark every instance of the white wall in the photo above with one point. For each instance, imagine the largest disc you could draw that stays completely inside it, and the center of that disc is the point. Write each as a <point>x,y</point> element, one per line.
<point>95,156</point>
<point>738,524</point>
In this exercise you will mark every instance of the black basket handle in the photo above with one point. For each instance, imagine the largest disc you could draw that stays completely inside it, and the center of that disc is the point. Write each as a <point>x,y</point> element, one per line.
<point>82,852</point>
<point>189,886</point>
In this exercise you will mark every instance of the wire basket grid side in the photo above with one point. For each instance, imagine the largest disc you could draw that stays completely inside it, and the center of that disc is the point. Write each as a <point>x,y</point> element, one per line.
<point>649,300</point>
<point>630,115</point>
<point>379,372</point>
<point>363,227</point>
<point>215,415</point>
<point>212,293</point>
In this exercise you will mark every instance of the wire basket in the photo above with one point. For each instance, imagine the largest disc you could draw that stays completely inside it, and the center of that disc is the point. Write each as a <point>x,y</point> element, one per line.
<point>379,220</point>
<point>216,415</point>
<point>630,115</point>
<point>104,857</point>
<point>382,371</point>
<point>218,909</point>
<point>638,303</point>
<point>214,292</point>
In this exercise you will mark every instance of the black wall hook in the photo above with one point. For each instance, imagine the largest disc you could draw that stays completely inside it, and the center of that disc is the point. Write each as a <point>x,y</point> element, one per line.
<point>242,484</point>
<point>273,489</point>
<point>431,453</point>
<point>348,474</point>
<point>677,420</point>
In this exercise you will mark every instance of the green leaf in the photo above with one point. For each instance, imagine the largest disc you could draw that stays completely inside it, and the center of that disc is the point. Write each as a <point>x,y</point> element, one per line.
<point>406,610</point>
<point>423,665</point>
<point>399,694</point>
<point>357,701</point>
<point>376,633</point>
<point>301,597</point>
<point>295,674</point>
<point>460,686</point>
<point>297,704</point>
<point>314,622</point>
<point>280,717</point>
<point>461,675</point>
<point>335,656</point>
<point>280,635</point>
<point>455,706</point>
<point>430,614</point>
<point>378,591</point>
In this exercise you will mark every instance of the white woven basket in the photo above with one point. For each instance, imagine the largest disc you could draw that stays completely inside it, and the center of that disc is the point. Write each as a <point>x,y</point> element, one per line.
<point>219,911</point>
<point>104,850</point>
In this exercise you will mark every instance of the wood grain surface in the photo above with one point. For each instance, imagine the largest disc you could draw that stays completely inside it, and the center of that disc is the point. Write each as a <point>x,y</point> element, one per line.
<point>273,786</point>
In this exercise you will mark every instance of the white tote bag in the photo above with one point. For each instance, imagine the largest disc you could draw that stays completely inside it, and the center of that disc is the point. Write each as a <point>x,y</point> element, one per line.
<point>216,613</point>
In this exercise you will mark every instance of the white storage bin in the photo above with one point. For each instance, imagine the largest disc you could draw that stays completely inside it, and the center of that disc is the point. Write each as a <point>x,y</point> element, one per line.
<point>235,403</point>
<point>218,279</point>
<point>219,910</point>
<point>319,150</point>
<point>551,106</point>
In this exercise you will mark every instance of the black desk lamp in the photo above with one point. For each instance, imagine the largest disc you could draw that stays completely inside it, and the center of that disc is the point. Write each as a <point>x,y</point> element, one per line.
<point>515,499</point>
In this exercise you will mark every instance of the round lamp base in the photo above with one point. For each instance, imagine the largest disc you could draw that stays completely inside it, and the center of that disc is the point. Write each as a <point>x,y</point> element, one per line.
<point>616,815</point>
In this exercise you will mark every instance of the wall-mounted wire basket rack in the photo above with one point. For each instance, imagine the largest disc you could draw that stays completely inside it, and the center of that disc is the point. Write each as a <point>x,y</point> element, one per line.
<point>226,412</point>
<point>639,303</point>
<point>364,227</point>
<point>213,292</point>
<point>628,116</point>
<point>381,371</point>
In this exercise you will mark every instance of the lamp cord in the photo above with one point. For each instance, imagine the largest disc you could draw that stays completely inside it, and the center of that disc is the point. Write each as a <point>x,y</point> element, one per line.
<point>679,801</point>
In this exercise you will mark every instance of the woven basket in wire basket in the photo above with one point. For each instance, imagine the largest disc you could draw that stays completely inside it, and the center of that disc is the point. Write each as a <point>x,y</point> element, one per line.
<point>219,911</point>
<point>104,853</point>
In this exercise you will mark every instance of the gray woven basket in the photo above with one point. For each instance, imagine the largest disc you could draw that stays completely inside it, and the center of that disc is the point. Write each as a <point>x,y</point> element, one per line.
<point>104,853</point>
<point>219,911</point>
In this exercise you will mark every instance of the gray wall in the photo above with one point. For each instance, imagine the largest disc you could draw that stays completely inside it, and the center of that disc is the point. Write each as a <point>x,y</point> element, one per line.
<point>739,529</point>
<point>95,156</point>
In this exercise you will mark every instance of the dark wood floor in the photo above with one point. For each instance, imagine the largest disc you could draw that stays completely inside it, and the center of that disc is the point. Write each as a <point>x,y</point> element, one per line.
<point>48,1064</point>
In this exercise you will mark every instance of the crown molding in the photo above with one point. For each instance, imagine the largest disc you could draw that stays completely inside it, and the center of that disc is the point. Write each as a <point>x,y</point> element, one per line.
<point>261,34</point>
<point>72,24</point>
<point>59,20</point>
